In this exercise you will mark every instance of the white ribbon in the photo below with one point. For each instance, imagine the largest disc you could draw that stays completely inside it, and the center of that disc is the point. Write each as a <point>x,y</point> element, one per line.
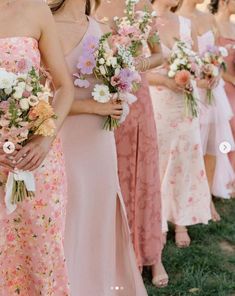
<point>29,181</point>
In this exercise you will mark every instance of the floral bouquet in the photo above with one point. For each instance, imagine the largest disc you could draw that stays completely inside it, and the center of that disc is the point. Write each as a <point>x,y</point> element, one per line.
<point>185,66</point>
<point>135,28</point>
<point>25,111</point>
<point>114,67</point>
<point>212,63</point>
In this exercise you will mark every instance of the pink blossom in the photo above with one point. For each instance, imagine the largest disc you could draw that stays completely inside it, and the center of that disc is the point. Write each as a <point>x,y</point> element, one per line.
<point>10,237</point>
<point>86,63</point>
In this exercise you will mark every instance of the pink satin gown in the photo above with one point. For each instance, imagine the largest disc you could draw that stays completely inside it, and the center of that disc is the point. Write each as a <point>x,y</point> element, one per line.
<point>230,90</point>
<point>185,191</point>
<point>99,252</point>
<point>32,261</point>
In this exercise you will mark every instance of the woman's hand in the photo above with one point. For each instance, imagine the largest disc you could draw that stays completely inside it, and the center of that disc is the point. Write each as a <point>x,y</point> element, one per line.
<point>8,160</point>
<point>203,83</point>
<point>113,108</point>
<point>33,153</point>
<point>172,85</point>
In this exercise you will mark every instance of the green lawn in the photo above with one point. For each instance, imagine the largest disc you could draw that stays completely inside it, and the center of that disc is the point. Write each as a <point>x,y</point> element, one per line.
<point>207,268</point>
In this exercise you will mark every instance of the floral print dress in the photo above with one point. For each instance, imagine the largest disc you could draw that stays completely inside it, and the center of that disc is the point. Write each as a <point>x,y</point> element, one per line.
<point>31,238</point>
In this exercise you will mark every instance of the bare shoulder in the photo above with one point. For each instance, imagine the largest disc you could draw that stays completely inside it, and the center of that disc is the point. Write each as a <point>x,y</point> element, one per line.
<point>38,9</point>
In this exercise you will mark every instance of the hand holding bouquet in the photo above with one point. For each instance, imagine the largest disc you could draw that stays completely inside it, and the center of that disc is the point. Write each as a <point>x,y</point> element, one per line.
<point>212,64</point>
<point>24,112</point>
<point>184,66</point>
<point>114,68</point>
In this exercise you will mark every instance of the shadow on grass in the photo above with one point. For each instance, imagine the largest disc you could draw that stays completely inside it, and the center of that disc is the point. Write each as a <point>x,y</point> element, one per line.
<point>207,267</point>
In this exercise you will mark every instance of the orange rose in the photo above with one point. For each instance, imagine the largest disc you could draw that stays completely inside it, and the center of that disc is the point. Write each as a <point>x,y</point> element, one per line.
<point>43,110</point>
<point>47,128</point>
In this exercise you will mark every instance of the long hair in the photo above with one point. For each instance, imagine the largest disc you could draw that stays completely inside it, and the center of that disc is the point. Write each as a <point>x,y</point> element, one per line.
<point>56,5</point>
<point>213,6</point>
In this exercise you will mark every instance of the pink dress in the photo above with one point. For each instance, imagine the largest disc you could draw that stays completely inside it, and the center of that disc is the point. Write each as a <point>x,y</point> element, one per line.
<point>215,128</point>
<point>230,90</point>
<point>32,261</point>
<point>185,191</point>
<point>99,252</point>
<point>138,163</point>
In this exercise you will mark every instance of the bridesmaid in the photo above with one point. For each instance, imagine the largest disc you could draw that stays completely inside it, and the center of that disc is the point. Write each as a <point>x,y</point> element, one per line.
<point>215,118</point>
<point>223,11</point>
<point>99,252</point>
<point>138,164</point>
<point>31,238</point>
<point>185,191</point>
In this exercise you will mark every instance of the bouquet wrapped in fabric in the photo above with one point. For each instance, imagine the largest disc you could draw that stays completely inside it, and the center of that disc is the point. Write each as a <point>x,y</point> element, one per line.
<point>185,66</point>
<point>212,64</point>
<point>25,111</point>
<point>114,68</point>
<point>136,28</point>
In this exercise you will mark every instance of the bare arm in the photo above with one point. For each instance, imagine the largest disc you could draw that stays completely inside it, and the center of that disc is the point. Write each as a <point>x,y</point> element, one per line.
<point>53,59</point>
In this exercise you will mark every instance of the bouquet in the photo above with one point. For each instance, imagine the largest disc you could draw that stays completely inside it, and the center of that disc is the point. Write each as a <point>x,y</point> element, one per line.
<point>136,27</point>
<point>24,112</point>
<point>114,68</point>
<point>212,64</point>
<point>185,66</point>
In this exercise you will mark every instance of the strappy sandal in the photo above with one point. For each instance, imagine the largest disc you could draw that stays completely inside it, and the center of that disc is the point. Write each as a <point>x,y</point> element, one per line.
<point>161,280</point>
<point>182,239</point>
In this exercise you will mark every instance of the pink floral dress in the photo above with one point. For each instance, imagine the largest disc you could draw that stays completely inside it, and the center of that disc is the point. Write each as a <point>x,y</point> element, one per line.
<point>31,238</point>
<point>184,187</point>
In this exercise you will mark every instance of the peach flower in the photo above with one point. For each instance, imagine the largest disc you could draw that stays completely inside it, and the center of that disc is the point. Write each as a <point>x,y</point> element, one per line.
<point>182,78</point>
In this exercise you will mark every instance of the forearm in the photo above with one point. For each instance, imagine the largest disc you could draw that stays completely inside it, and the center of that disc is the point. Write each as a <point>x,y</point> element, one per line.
<point>228,78</point>
<point>155,79</point>
<point>62,103</point>
<point>86,106</point>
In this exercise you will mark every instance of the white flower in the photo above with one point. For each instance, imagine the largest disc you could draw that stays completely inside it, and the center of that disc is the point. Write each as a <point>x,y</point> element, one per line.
<point>101,61</point>
<point>33,101</point>
<point>101,93</point>
<point>215,71</point>
<point>24,104</point>
<point>171,74</point>
<point>24,134</point>
<point>223,51</point>
<point>117,71</point>
<point>28,88</point>
<point>154,14</point>
<point>7,79</point>
<point>21,85</point>
<point>102,70</point>
<point>8,91</point>
<point>174,67</point>
<point>18,93</point>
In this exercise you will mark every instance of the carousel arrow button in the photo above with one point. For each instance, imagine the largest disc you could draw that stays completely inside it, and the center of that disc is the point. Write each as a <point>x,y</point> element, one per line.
<point>225,147</point>
<point>9,147</point>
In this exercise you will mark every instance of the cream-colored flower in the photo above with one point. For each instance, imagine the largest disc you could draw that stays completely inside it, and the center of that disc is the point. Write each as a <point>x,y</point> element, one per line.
<point>101,93</point>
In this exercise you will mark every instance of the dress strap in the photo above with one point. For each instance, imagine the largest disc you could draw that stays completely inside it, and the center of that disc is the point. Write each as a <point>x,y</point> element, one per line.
<point>185,30</point>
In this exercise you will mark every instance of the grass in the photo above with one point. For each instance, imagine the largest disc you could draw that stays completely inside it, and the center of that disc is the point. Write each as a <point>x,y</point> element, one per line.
<point>207,268</point>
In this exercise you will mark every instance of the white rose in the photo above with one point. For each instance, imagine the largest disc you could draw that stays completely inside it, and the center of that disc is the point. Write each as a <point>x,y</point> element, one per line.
<point>154,14</point>
<point>171,74</point>
<point>101,61</point>
<point>173,67</point>
<point>8,91</point>
<point>215,71</point>
<point>18,94</point>
<point>28,88</point>
<point>7,79</point>
<point>24,104</point>
<point>21,85</point>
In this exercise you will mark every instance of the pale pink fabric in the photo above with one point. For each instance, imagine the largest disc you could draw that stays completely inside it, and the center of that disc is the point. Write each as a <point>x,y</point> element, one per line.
<point>32,259</point>
<point>185,191</point>
<point>215,128</point>
<point>98,248</point>
<point>230,90</point>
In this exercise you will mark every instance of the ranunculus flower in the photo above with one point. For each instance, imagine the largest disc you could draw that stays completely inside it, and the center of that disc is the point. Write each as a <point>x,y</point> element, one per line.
<point>182,78</point>
<point>24,104</point>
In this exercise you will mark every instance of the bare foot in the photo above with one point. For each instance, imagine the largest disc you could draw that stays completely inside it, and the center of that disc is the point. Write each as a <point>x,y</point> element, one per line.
<point>214,214</point>
<point>182,239</point>
<point>160,277</point>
